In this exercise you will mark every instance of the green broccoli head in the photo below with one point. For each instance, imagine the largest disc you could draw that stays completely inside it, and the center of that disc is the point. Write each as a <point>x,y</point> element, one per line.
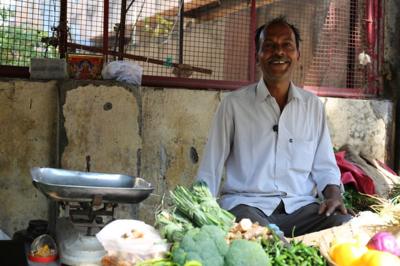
<point>206,244</point>
<point>246,253</point>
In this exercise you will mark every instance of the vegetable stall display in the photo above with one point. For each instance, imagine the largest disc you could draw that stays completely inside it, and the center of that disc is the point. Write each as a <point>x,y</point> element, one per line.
<point>192,230</point>
<point>200,231</point>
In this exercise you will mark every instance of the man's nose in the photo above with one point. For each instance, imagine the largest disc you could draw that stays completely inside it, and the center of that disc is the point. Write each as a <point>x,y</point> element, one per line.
<point>278,49</point>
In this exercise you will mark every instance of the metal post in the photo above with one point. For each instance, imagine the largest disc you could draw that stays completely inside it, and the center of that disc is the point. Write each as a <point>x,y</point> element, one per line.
<point>351,50</point>
<point>181,21</point>
<point>252,46</point>
<point>105,29</point>
<point>122,31</point>
<point>372,25</point>
<point>63,32</point>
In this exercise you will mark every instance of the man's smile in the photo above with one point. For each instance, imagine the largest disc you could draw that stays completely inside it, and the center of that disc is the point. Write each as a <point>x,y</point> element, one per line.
<point>275,61</point>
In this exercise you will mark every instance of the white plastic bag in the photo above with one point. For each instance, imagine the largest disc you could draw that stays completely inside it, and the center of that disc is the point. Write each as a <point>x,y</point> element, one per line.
<point>125,71</point>
<point>132,241</point>
<point>4,236</point>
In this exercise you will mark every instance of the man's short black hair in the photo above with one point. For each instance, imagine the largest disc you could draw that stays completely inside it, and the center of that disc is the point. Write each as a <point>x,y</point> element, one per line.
<point>278,20</point>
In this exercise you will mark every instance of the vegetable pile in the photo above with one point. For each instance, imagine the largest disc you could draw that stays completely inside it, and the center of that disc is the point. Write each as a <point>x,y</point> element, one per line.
<point>206,244</point>
<point>247,230</point>
<point>193,207</point>
<point>384,241</point>
<point>202,232</point>
<point>246,253</point>
<point>357,201</point>
<point>295,254</point>
<point>381,250</point>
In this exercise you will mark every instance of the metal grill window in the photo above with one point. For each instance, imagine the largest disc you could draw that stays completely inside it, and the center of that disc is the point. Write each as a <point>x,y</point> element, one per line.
<point>206,40</point>
<point>334,34</point>
<point>25,26</point>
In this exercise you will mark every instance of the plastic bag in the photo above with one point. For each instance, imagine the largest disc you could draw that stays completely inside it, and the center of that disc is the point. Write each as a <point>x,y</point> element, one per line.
<point>131,241</point>
<point>4,236</point>
<point>125,71</point>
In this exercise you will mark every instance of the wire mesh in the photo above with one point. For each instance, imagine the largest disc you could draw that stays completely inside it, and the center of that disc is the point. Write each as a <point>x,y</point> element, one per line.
<point>85,22</point>
<point>201,39</point>
<point>332,36</point>
<point>26,30</point>
<point>210,42</point>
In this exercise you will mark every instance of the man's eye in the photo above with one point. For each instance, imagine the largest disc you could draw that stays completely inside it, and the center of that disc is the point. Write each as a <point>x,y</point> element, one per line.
<point>268,46</point>
<point>288,45</point>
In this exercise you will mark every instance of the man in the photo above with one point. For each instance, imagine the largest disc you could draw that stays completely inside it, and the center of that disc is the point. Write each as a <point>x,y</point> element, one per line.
<point>273,139</point>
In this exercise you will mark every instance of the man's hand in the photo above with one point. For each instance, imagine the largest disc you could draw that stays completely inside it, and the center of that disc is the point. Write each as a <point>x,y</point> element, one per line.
<point>333,201</point>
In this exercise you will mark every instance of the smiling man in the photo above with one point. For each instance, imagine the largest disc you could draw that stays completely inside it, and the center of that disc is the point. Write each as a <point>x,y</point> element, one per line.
<point>273,139</point>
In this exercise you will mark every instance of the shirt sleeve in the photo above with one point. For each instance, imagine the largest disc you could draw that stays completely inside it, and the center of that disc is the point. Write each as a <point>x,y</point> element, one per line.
<point>217,148</point>
<point>325,170</point>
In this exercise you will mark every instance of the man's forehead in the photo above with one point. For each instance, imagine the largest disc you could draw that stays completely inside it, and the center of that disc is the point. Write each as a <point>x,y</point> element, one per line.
<point>279,28</point>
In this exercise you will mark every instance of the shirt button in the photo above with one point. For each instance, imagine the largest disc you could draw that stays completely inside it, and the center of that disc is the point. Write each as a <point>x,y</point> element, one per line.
<point>290,140</point>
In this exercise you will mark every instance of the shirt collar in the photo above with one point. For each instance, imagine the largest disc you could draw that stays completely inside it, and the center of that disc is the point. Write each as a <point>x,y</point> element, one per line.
<point>263,93</point>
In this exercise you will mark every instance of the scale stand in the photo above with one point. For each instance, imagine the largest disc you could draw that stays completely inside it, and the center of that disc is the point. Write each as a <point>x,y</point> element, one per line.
<point>89,215</point>
<point>88,201</point>
<point>75,232</point>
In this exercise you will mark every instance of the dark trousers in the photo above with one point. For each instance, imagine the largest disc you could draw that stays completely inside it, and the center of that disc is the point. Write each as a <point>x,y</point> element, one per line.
<point>303,221</point>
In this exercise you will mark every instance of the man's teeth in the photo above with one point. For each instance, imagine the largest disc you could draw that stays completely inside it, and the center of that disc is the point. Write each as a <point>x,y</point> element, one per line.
<point>279,62</point>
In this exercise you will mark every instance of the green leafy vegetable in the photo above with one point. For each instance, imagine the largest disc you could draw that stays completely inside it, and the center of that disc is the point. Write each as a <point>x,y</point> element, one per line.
<point>172,226</point>
<point>200,207</point>
<point>296,254</point>
<point>206,245</point>
<point>192,207</point>
<point>356,201</point>
<point>246,253</point>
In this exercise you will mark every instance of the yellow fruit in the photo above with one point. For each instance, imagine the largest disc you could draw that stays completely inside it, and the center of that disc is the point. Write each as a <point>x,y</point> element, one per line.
<point>377,258</point>
<point>345,254</point>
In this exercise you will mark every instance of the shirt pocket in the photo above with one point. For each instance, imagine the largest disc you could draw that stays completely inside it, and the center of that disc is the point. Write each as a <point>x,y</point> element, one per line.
<point>301,155</point>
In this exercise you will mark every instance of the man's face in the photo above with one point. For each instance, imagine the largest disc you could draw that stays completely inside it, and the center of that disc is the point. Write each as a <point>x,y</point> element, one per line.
<point>278,53</point>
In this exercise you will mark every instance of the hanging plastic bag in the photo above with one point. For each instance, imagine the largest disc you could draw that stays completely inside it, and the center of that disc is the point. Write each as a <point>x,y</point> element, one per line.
<point>125,71</point>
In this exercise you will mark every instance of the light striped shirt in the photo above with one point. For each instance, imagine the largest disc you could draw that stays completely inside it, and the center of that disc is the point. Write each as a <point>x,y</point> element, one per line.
<point>293,163</point>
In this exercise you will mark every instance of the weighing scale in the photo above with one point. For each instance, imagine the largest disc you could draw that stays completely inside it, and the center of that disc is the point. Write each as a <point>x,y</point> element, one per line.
<point>88,201</point>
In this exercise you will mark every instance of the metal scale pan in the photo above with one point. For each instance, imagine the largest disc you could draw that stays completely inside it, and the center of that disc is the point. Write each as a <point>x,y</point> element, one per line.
<point>67,185</point>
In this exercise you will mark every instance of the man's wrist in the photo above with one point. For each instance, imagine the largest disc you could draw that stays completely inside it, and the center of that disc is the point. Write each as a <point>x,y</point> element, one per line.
<point>332,191</point>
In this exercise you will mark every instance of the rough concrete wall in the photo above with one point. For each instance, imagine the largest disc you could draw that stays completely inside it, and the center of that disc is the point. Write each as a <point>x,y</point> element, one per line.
<point>175,122</point>
<point>364,124</point>
<point>27,139</point>
<point>102,122</point>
